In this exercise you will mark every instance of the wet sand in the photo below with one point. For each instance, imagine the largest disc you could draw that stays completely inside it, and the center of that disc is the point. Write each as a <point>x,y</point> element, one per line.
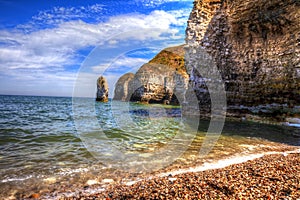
<point>274,176</point>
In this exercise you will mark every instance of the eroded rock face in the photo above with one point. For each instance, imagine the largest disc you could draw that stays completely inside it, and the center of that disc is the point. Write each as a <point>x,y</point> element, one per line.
<point>162,80</point>
<point>256,48</point>
<point>122,87</point>
<point>102,89</point>
<point>158,83</point>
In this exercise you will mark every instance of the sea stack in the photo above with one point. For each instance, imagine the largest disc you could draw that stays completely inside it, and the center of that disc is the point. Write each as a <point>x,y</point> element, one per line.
<point>102,90</point>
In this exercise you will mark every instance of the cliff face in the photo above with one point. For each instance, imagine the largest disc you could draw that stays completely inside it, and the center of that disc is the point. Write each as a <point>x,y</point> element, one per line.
<point>162,80</point>
<point>256,48</point>
<point>122,87</point>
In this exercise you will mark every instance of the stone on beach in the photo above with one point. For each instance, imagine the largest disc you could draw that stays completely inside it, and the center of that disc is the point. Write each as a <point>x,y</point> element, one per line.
<point>92,182</point>
<point>274,176</point>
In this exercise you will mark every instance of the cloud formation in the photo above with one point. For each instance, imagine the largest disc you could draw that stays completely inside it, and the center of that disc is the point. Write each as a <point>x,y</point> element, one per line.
<point>51,51</point>
<point>126,63</point>
<point>59,15</point>
<point>158,2</point>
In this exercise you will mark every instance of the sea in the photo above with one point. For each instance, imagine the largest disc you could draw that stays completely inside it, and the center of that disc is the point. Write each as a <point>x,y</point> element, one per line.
<point>62,146</point>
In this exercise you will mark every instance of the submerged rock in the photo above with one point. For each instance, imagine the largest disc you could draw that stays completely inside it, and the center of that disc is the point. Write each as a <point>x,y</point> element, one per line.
<point>102,89</point>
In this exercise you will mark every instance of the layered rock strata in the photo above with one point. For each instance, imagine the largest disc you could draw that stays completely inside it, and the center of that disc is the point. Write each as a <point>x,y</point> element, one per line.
<point>256,48</point>
<point>161,80</point>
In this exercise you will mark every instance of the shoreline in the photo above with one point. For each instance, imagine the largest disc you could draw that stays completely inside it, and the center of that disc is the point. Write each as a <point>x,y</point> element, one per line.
<point>209,171</point>
<point>220,164</point>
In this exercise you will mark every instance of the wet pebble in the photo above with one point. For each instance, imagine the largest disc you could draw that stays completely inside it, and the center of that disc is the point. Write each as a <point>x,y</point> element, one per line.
<point>270,177</point>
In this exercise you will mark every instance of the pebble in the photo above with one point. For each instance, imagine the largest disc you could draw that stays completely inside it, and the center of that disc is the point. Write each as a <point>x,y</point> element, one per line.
<point>50,180</point>
<point>172,179</point>
<point>92,182</point>
<point>107,180</point>
<point>270,177</point>
<point>35,196</point>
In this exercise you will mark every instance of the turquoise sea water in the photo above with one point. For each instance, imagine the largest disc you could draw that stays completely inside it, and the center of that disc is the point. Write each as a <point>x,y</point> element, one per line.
<point>47,145</point>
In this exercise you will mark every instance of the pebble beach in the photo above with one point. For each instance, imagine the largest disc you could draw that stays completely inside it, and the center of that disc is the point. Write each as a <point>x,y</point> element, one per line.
<point>275,176</point>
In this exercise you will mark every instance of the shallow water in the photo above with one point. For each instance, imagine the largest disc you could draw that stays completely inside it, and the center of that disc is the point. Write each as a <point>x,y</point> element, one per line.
<point>58,144</point>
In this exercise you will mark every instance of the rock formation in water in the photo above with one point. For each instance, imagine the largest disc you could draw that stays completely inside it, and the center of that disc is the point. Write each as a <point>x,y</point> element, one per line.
<point>256,48</point>
<point>122,87</point>
<point>102,90</point>
<point>162,80</point>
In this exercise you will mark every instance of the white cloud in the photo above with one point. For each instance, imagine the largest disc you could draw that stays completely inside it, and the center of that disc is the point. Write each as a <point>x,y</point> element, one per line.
<point>181,16</point>
<point>131,63</point>
<point>58,45</point>
<point>152,3</point>
<point>59,15</point>
<point>47,53</point>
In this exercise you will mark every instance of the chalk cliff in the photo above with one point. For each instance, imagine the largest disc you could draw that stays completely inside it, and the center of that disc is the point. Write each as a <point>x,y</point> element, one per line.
<point>161,80</point>
<point>255,45</point>
<point>122,87</point>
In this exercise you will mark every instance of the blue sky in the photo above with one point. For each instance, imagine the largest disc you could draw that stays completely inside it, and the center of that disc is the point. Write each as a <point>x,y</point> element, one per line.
<point>59,48</point>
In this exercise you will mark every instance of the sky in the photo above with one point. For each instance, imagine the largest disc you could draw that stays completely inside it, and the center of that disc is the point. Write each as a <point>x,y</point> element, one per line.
<point>61,47</point>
